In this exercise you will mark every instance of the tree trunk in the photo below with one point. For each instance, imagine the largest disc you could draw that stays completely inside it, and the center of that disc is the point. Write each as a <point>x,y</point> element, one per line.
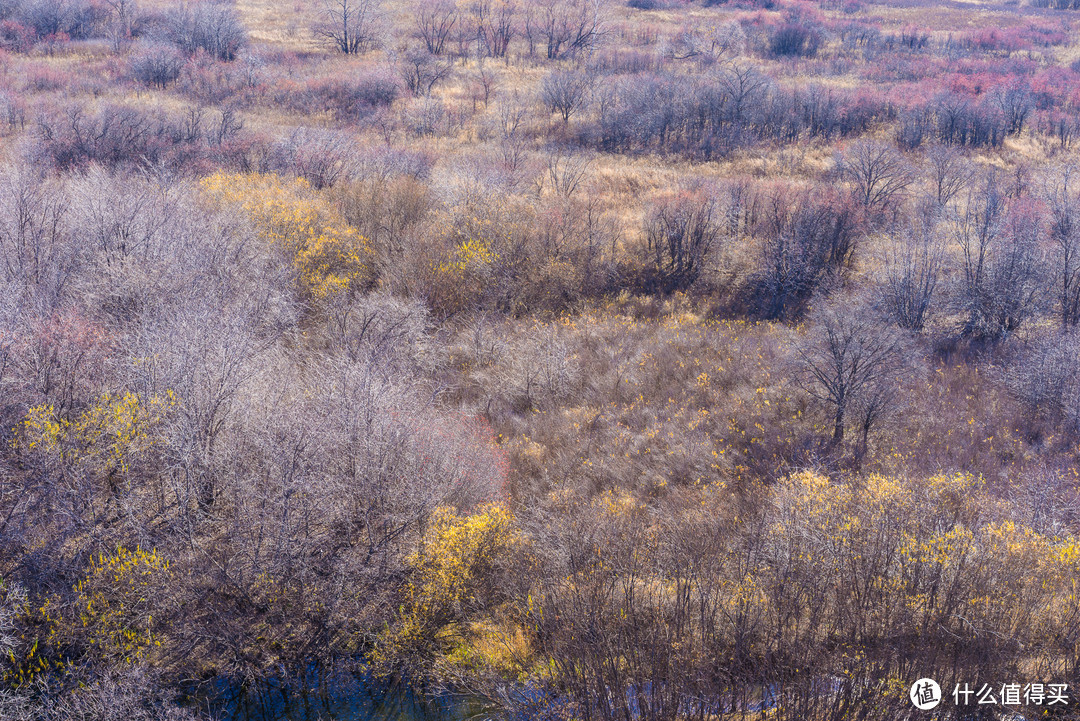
<point>838,428</point>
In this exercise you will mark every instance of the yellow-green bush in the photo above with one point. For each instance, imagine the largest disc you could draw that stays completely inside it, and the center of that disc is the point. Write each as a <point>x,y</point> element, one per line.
<point>104,439</point>
<point>33,635</point>
<point>448,571</point>
<point>109,619</point>
<point>330,256</point>
<point>114,604</point>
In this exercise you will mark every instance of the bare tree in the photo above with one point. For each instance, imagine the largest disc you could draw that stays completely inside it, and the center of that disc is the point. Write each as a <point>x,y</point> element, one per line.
<point>847,360</point>
<point>434,23</point>
<point>353,26</point>
<point>421,70</point>
<point>912,270</point>
<point>877,170</point>
<point>496,25</point>
<point>1015,103</point>
<point>483,83</point>
<point>948,172</point>
<point>122,15</point>
<point>570,26</point>
<point>565,92</point>
<point>743,84</point>
<point>1003,265</point>
<point>1065,234</point>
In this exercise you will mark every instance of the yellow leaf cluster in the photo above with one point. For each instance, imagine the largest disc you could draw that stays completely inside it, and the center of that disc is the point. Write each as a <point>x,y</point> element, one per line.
<point>113,603</point>
<point>447,570</point>
<point>923,544</point>
<point>330,255</point>
<point>104,438</point>
<point>467,256</point>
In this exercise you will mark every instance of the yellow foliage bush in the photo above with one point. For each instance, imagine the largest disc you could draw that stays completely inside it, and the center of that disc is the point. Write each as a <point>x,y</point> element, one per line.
<point>455,558</point>
<point>932,548</point>
<point>330,256</point>
<point>468,256</point>
<point>104,438</point>
<point>114,600</point>
<point>462,278</point>
<point>110,619</point>
<point>34,631</point>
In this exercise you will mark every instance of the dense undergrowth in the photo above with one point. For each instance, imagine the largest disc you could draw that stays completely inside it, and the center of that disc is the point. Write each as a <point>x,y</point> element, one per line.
<point>668,360</point>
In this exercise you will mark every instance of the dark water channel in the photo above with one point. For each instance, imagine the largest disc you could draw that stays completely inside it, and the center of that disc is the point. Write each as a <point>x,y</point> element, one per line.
<point>339,696</point>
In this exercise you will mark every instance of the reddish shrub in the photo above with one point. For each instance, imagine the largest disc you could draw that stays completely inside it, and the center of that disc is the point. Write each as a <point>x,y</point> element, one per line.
<point>1056,86</point>
<point>1006,40</point>
<point>16,36</point>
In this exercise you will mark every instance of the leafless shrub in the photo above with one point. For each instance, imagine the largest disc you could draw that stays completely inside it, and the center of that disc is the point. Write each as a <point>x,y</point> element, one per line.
<point>1046,380</point>
<point>912,270</point>
<point>422,71</point>
<point>12,600</point>
<point>156,65</point>
<point>35,251</point>
<point>566,169</point>
<point>569,27</point>
<point>744,85</point>
<point>948,171</point>
<point>12,112</point>
<point>811,240</point>
<point>434,22</point>
<point>426,116</point>
<point>878,172</point>
<point>849,362</point>
<point>1065,237</point>
<point>681,232</point>
<point>201,332</point>
<point>1003,278</point>
<point>542,370</point>
<point>120,217</point>
<point>384,162</point>
<point>121,20</point>
<point>796,37</point>
<point>1050,498</point>
<point>339,471</point>
<point>565,92</point>
<point>1016,103</point>
<point>352,26</point>
<point>707,45</point>
<point>322,157</point>
<point>211,26</point>
<point>133,694</point>
<point>386,332</point>
<point>78,19</point>
<point>496,25</point>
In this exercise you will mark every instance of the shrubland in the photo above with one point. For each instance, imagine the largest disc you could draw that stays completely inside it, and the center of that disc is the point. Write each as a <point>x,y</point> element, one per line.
<point>664,360</point>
